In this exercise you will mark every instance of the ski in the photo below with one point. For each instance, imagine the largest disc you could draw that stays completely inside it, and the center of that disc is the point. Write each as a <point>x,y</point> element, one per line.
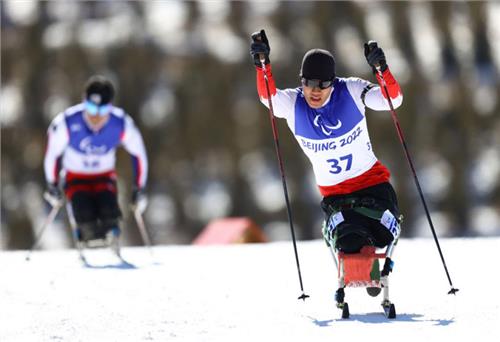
<point>111,242</point>
<point>118,262</point>
<point>389,309</point>
<point>345,310</point>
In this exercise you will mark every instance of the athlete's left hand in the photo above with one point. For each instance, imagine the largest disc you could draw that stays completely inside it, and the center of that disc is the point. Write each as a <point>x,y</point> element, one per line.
<point>139,200</point>
<point>53,195</point>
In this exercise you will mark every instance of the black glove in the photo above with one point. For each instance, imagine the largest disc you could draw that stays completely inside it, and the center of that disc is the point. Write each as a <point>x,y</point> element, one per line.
<point>139,199</point>
<point>375,56</point>
<point>53,194</point>
<point>260,46</point>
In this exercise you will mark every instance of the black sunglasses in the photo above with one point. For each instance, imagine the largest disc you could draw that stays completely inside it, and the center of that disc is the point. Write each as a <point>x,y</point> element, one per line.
<point>316,83</point>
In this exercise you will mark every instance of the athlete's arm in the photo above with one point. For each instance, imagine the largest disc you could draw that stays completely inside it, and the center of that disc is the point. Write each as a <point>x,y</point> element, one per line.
<point>133,143</point>
<point>376,98</point>
<point>57,141</point>
<point>366,94</point>
<point>283,100</point>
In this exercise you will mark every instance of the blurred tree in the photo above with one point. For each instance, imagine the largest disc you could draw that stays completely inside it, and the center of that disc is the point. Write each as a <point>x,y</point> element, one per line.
<point>184,73</point>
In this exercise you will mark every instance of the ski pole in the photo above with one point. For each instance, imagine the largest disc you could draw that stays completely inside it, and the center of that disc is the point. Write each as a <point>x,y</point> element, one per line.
<point>142,228</point>
<point>303,296</point>
<point>48,220</point>
<point>417,183</point>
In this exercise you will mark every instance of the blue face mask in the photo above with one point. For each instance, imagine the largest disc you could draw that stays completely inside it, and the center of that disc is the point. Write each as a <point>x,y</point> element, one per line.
<point>92,109</point>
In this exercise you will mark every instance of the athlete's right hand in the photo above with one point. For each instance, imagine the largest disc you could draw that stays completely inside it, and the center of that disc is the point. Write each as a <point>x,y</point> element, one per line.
<point>260,48</point>
<point>375,56</point>
<point>53,195</point>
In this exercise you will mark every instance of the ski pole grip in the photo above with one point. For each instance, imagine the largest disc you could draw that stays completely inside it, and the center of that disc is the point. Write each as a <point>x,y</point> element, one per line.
<point>372,45</point>
<point>258,38</point>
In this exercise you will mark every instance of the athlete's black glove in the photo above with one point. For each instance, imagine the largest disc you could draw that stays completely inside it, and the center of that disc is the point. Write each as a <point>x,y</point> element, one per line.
<point>53,194</point>
<point>139,199</point>
<point>375,56</point>
<point>260,46</point>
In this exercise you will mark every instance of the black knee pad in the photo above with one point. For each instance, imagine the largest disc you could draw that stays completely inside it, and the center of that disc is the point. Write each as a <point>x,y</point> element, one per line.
<point>351,238</point>
<point>108,224</point>
<point>89,230</point>
<point>382,236</point>
<point>108,208</point>
<point>83,208</point>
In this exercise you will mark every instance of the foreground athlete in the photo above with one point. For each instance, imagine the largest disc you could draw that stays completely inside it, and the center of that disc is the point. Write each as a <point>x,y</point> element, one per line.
<point>327,117</point>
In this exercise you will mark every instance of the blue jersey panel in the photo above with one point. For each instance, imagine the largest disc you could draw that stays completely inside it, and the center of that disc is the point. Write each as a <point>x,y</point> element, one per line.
<point>86,141</point>
<point>338,117</point>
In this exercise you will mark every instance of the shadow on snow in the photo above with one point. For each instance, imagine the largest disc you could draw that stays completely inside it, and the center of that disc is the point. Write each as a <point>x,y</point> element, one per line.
<point>378,317</point>
<point>123,265</point>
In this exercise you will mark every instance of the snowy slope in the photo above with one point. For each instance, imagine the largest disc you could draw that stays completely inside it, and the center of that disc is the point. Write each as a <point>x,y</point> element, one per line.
<point>246,293</point>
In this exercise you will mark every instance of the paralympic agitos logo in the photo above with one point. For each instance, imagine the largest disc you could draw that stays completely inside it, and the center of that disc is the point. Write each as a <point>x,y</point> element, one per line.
<point>326,129</point>
<point>87,147</point>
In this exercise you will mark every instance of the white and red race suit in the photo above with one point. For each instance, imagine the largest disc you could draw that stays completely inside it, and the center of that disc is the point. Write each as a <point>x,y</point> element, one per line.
<point>86,154</point>
<point>335,137</point>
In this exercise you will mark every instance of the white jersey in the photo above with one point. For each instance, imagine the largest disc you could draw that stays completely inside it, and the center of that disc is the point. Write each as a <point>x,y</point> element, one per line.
<point>85,152</point>
<point>334,137</point>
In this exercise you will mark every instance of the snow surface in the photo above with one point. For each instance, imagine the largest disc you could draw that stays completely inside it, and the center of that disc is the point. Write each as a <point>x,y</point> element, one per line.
<point>246,293</point>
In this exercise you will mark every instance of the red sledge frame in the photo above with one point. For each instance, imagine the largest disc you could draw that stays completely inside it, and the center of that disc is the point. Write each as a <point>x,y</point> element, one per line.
<point>355,270</point>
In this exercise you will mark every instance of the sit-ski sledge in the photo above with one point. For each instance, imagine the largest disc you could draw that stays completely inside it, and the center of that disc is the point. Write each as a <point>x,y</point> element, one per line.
<point>363,270</point>
<point>110,240</point>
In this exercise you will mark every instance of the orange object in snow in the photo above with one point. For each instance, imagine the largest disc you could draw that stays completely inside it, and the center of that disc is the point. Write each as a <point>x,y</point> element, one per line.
<point>229,231</point>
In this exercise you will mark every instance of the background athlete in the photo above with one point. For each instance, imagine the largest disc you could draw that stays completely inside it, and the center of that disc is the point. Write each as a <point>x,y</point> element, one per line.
<point>82,142</point>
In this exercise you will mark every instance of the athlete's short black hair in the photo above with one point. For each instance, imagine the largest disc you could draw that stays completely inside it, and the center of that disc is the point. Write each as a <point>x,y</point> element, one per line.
<point>99,90</point>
